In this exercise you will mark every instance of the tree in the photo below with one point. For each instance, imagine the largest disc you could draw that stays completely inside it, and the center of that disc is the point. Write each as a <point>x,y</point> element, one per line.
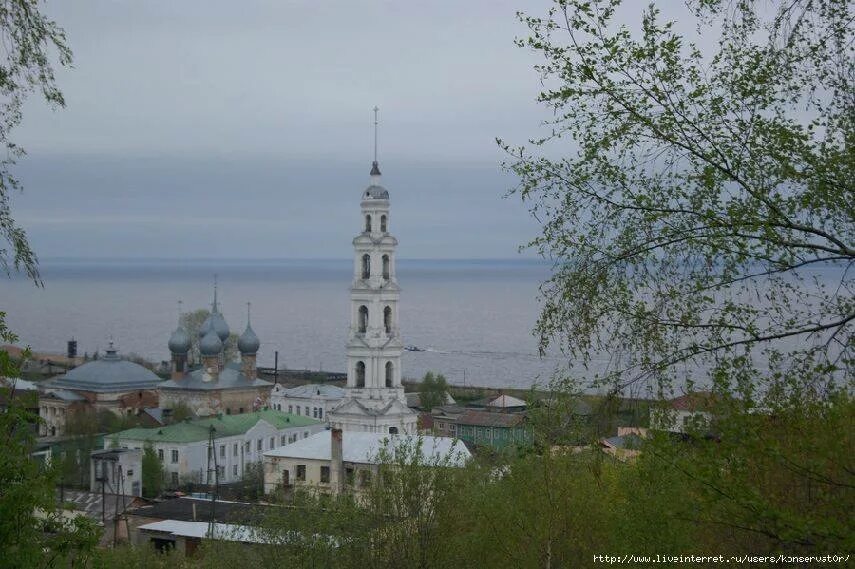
<point>434,389</point>
<point>32,531</point>
<point>192,322</point>
<point>30,40</point>
<point>152,472</point>
<point>704,217</point>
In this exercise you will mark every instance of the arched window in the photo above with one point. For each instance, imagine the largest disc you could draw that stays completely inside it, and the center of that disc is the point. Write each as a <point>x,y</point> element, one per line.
<point>366,266</point>
<point>360,374</point>
<point>389,370</point>
<point>386,265</point>
<point>383,223</point>
<point>393,430</point>
<point>367,223</point>
<point>387,319</point>
<point>363,319</point>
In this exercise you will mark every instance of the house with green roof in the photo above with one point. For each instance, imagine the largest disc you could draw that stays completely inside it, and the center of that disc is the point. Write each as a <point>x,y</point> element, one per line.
<point>239,440</point>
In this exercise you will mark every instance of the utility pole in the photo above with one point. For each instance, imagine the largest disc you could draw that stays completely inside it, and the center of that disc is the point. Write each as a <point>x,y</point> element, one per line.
<point>275,367</point>
<point>214,488</point>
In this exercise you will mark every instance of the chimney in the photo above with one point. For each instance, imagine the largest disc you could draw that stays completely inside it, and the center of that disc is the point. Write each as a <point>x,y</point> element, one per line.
<point>179,366</point>
<point>337,463</point>
<point>248,366</point>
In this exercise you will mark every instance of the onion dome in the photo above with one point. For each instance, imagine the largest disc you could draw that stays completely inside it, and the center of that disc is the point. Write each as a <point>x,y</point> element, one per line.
<point>375,191</point>
<point>248,342</point>
<point>179,342</point>
<point>210,345</point>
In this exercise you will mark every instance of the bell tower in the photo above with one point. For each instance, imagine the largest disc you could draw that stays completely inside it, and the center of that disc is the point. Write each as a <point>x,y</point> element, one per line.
<point>375,399</point>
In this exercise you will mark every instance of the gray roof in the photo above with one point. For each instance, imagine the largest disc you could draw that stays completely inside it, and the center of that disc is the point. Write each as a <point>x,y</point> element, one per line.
<point>376,193</point>
<point>64,395</point>
<point>110,373</point>
<point>315,390</point>
<point>210,345</point>
<point>231,377</point>
<point>248,342</point>
<point>179,342</point>
<point>365,448</point>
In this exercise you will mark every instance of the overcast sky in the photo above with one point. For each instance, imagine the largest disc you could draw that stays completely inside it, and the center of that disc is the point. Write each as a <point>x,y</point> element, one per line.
<point>244,129</point>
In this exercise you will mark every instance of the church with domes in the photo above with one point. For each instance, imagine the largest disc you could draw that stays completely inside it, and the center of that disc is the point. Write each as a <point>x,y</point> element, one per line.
<point>217,385</point>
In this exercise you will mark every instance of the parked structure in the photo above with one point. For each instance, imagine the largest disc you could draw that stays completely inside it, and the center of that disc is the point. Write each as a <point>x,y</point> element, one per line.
<point>312,400</point>
<point>239,440</point>
<point>333,461</point>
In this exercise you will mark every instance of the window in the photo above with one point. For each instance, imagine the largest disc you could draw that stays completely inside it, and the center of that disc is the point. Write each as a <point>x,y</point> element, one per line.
<point>228,411</point>
<point>386,267</point>
<point>393,430</point>
<point>367,223</point>
<point>234,470</point>
<point>174,456</point>
<point>383,223</point>
<point>366,266</point>
<point>325,475</point>
<point>222,451</point>
<point>240,410</point>
<point>349,475</point>
<point>364,477</point>
<point>272,442</point>
<point>307,411</point>
<point>305,434</point>
<point>290,409</point>
<point>258,445</point>
<point>292,438</point>
<point>283,440</point>
<point>235,450</point>
<point>387,319</point>
<point>320,412</point>
<point>360,374</point>
<point>363,319</point>
<point>248,447</point>
<point>301,472</point>
<point>298,409</point>
<point>174,479</point>
<point>314,412</point>
<point>130,472</point>
<point>160,454</point>
<point>389,374</point>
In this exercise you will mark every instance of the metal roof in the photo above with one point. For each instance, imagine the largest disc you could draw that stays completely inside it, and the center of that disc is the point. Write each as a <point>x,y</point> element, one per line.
<point>365,447</point>
<point>110,373</point>
<point>490,419</point>
<point>231,377</point>
<point>505,401</point>
<point>316,390</point>
<point>195,430</point>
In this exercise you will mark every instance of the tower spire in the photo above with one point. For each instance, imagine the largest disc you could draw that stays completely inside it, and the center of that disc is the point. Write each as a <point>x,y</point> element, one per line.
<point>248,306</point>
<point>214,304</point>
<point>375,168</point>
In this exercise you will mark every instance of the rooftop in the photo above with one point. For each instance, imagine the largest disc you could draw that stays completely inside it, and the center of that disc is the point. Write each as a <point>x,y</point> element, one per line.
<point>696,401</point>
<point>108,374</point>
<point>231,377</point>
<point>315,390</point>
<point>490,419</point>
<point>194,430</point>
<point>365,447</point>
<point>184,509</point>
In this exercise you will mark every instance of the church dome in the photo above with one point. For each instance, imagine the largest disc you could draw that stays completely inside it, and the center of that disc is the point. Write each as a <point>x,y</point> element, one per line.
<point>248,342</point>
<point>216,322</point>
<point>376,193</point>
<point>179,342</point>
<point>211,345</point>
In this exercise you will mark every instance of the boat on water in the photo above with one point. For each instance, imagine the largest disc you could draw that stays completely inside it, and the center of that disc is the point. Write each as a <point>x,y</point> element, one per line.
<point>412,348</point>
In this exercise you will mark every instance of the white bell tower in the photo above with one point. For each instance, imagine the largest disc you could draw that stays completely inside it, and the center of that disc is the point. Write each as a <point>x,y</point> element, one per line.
<point>375,399</point>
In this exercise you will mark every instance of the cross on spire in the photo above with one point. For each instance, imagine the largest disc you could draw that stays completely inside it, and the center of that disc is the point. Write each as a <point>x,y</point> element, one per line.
<point>248,306</point>
<point>214,304</point>
<point>376,110</point>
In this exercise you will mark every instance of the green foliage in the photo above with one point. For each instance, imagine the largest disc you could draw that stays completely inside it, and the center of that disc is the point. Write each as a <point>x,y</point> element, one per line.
<point>180,412</point>
<point>192,322</point>
<point>152,473</point>
<point>433,390</point>
<point>30,39</point>
<point>33,532</point>
<point>701,191</point>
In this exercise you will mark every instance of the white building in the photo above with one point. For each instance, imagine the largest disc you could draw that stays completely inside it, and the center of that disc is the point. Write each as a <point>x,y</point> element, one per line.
<point>239,440</point>
<point>313,400</point>
<point>312,462</point>
<point>684,414</point>
<point>374,400</point>
<point>116,471</point>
